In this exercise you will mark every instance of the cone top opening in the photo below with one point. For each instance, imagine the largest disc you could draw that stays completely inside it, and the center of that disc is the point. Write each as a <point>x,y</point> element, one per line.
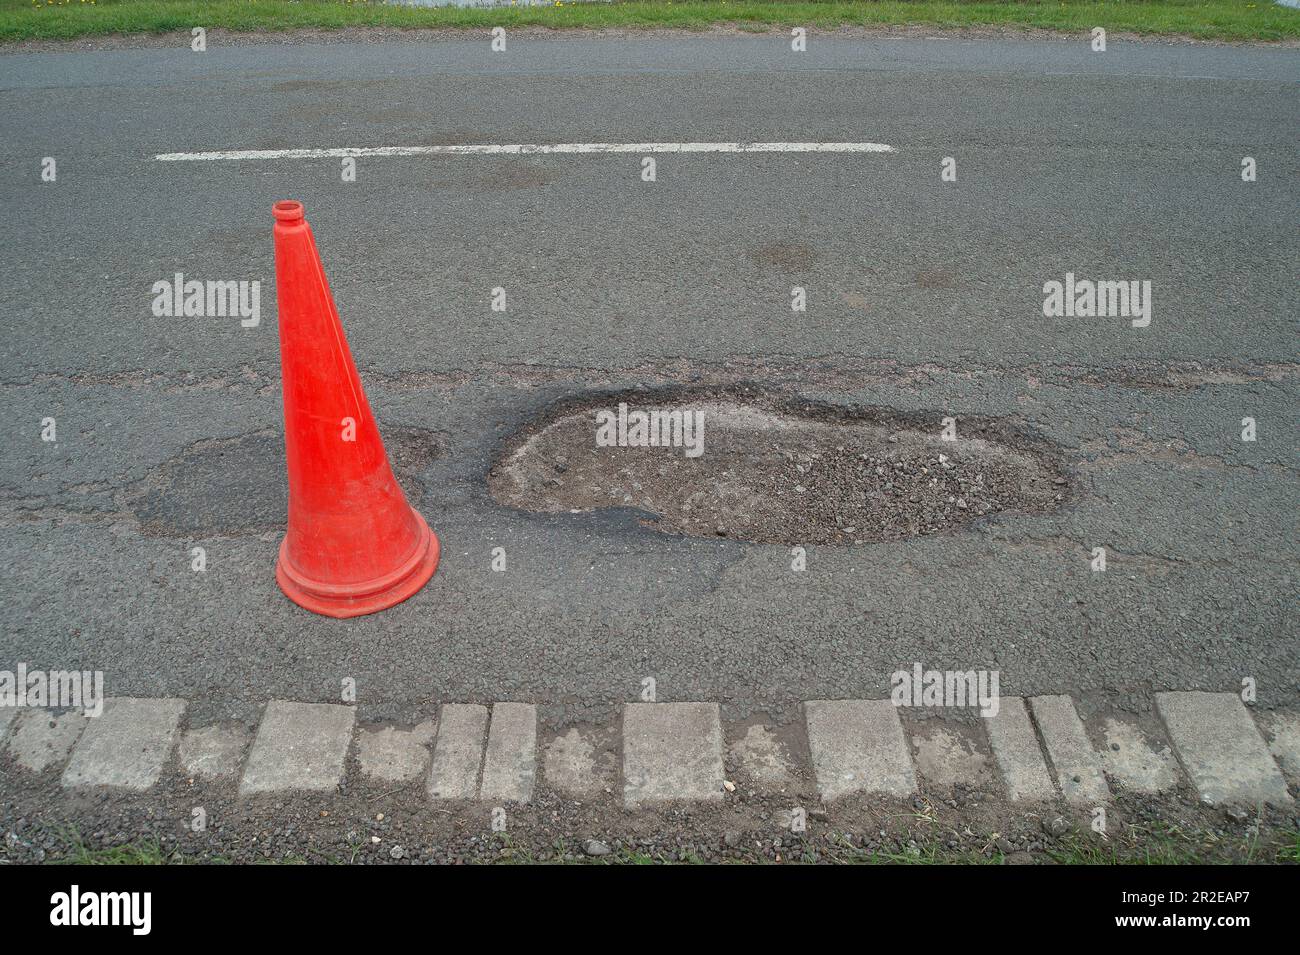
<point>287,211</point>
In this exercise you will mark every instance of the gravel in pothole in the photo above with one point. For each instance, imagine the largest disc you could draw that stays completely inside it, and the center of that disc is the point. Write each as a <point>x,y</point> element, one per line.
<point>782,474</point>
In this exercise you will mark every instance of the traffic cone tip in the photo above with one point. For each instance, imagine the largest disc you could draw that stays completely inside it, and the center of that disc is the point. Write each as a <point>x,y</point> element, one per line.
<point>289,210</point>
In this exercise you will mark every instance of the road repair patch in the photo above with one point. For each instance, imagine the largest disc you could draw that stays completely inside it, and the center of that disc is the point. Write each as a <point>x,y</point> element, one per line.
<point>735,463</point>
<point>236,485</point>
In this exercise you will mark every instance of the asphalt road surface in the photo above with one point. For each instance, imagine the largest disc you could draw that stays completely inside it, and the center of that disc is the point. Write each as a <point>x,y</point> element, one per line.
<point>924,296</point>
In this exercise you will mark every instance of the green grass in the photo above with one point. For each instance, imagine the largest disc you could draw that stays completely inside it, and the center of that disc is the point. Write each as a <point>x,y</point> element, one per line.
<point>1169,845</point>
<point>141,852</point>
<point>1291,851</point>
<point>1206,19</point>
<point>138,853</point>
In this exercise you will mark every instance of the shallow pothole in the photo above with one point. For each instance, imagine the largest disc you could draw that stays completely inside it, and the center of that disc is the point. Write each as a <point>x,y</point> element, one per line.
<point>775,471</point>
<point>238,485</point>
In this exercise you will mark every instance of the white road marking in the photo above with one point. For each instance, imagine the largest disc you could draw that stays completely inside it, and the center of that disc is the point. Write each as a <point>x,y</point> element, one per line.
<point>526,149</point>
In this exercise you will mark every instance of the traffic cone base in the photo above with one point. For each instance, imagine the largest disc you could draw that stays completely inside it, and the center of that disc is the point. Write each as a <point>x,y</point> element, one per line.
<point>372,596</point>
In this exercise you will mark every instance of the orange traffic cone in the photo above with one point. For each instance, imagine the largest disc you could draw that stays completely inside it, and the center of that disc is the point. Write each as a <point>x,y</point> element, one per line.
<point>354,544</point>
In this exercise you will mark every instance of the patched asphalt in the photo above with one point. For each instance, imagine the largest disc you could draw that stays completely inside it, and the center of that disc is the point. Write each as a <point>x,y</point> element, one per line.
<point>924,297</point>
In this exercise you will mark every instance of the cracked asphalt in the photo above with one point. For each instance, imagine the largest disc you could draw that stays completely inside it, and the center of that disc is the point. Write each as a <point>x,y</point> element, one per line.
<point>924,298</point>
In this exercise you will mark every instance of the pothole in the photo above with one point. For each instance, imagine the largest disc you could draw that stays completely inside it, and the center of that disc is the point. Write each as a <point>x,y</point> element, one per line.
<point>774,471</point>
<point>238,485</point>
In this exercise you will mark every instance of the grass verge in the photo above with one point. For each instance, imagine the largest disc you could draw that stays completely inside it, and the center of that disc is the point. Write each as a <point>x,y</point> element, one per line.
<point>1201,19</point>
<point>1156,843</point>
<point>1154,846</point>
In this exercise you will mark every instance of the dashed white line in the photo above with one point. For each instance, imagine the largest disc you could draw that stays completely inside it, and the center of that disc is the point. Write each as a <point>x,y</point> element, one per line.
<point>524,149</point>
